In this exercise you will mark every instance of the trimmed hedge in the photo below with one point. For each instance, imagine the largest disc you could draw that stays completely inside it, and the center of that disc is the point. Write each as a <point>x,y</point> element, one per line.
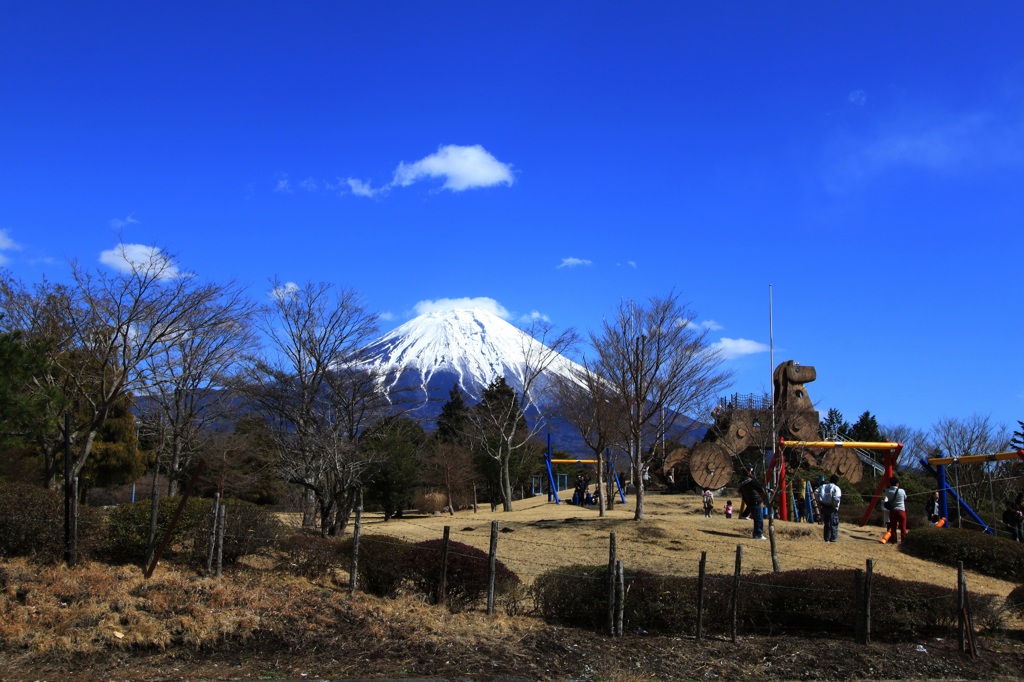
<point>32,524</point>
<point>248,529</point>
<point>387,565</point>
<point>997,557</point>
<point>805,601</point>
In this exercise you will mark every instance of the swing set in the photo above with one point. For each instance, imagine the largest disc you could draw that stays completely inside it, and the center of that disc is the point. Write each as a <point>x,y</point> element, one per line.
<point>611,474</point>
<point>936,466</point>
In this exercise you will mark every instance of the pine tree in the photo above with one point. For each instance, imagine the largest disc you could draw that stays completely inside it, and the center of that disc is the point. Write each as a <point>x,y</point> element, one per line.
<point>834,426</point>
<point>451,423</point>
<point>1017,443</point>
<point>866,429</point>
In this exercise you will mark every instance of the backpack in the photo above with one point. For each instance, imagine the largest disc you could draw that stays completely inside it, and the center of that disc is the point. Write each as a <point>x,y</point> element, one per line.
<point>825,495</point>
<point>890,504</point>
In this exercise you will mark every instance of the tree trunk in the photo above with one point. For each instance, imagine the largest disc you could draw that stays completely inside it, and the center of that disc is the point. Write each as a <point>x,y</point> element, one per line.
<point>639,485</point>
<point>602,504</point>
<point>506,485</point>
<point>308,508</point>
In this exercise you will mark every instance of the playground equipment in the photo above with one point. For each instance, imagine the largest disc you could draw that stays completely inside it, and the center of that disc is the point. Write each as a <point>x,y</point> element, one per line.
<point>937,467</point>
<point>610,474</point>
<point>745,422</point>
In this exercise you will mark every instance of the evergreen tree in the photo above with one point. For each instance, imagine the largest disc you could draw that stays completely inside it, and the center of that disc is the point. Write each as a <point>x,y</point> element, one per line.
<point>452,422</point>
<point>866,429</point>
<point>1017,443</point>
<point>834,426</point>
<point>395,444</point>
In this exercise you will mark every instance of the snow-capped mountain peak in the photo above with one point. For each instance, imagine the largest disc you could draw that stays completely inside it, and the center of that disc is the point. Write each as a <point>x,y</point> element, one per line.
<point>470,347</point>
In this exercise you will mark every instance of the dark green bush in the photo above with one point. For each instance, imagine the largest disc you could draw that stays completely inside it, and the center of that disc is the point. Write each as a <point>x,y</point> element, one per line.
<point>791,601</point>
<point>32,524</point>
<point>382,564</point>
<point>310,556</point>
<point>1015,601</point>
<point>997,557</point>
<point>466,579</point>
<point>248,529</point>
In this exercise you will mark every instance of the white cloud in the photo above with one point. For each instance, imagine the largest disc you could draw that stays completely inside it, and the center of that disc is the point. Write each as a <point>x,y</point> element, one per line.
<point>461,167</point>
<point>118,223</point>
<point>6,244</point>
<point>734,348</point>
<point>309,184</point>
<point>387,316</point>
<point>139,257</point>
<point>284,291</point>
<point>446,304</point>
<point>858,98</point>
<point>574,262</point>
<point>362,189</point>
<point>711,325</point>
<point>534,316</point>
<point>283,186</point>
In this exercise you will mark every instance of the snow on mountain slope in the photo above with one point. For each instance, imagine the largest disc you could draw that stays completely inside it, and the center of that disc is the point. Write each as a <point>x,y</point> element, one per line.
<point>470,347</point>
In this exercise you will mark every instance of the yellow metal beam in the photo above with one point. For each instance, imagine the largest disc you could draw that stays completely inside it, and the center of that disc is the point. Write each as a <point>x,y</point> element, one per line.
<point>970,459</point>
<point>574,461</point>
<point>840,444</point>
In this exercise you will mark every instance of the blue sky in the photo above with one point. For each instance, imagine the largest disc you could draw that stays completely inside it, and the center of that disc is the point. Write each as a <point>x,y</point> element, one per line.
<point>864,159</point>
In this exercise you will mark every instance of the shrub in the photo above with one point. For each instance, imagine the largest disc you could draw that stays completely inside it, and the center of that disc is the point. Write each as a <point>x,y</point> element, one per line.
<point>466,575</point>
<point>1015,601</point>
<point>997,557</point>
<point>382,562</point>
<point>32,524</point>
<point>801,601</point>
<point>248,529</point>
<point>309,556</point>
<point>429,503</point>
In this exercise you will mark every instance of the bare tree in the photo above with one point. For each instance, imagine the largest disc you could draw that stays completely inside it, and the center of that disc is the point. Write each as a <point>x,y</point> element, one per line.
<point>308,387</point>
<point>102,328</point>
<point>187,376</point>
<point>503,428</point>
<point>589,404</point>
<point>915,444</point>
<point>662,367</point>
<point>975,435</point>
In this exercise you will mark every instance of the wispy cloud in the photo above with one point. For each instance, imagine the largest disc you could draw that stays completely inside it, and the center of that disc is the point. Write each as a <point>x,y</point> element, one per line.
<point>140,257</point>
<point>447,304</point>
<point>119,223</point>
<point>534,316</point>
<point>734,348</point>
<point>461,168</point>
<point>710,325</point>
<point>360,188</point>
<point>283,185</point>
<point>6,244</point>
<point>574,262</point>
<point>286,290</point>
<point>858,98</point>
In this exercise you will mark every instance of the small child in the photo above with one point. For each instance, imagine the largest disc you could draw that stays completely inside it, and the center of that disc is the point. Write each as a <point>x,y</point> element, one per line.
<point>709,502</point>
<point>728,509</point>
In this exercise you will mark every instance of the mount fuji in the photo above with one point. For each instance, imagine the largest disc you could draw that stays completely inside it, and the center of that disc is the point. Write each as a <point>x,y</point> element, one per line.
<point>470,348</point>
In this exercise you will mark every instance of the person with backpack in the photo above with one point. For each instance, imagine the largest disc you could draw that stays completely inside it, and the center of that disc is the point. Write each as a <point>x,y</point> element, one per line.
<point>709,502</point>
<point>896,504</point>
<point>828,496</point>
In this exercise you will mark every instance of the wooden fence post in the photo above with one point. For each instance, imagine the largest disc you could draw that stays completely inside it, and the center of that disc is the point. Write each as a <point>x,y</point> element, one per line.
<point>222,513</point>
<point>620,596</point>
<point>867,600</point>
<point>353,573</point>
<point>961,606</point>
<point>211,542</point>
<point>492,567</point>
<point>736,590</point>
<point>442,586</point>
<point>611,584</point>
<point>701,573</point>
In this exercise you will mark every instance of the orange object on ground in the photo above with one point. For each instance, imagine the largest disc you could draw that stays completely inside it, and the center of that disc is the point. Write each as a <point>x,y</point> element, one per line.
<point>885,538</point>
<point>940,523</point>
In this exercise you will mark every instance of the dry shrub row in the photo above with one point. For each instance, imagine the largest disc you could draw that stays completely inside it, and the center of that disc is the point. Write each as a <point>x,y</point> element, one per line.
<point>429,502</point>
<point>805,601</point>
<point>32,524</point>
<point>997,557</point>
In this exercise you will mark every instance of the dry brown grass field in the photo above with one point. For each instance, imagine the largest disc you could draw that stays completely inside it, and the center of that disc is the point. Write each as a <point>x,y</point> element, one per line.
<point>107,622</point>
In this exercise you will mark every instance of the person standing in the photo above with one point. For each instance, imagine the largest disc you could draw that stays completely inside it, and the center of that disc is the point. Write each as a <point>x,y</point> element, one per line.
<point>709,502</point>
<point>1013,518</point>
<point>932,508</point>
<point>728,509</point>
<point>753,494</point>
<point>829,496</point>
<point>896,504</point>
